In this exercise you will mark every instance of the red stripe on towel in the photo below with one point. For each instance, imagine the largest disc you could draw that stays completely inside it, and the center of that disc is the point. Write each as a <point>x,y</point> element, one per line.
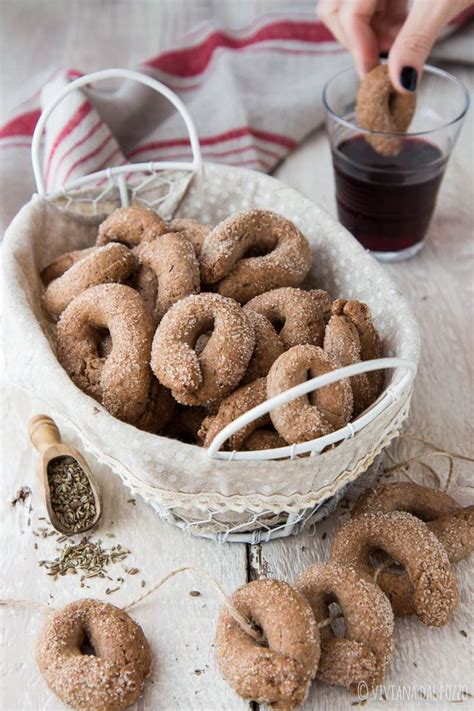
<point>84,109</point>
<point>76,145</point>
<point>88,156</point>
<point>219,138</point>
<point>190,61</point>
<point>23,125</point>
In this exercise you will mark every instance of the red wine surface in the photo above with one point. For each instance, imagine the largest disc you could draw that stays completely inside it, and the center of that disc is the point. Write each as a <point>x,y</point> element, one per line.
<point>387,201</point>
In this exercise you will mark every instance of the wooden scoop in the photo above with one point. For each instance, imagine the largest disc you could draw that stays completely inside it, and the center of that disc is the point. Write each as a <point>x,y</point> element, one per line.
<point>46,438</point>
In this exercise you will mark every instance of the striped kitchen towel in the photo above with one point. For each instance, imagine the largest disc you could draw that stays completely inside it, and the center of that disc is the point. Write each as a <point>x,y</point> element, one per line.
<point>253,93</point>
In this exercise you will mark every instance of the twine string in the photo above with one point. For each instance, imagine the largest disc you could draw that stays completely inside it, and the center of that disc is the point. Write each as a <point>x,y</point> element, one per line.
<point>4,602</point>
<point>329,620</point>
<point>237,616</point>
<point>435,452</point>
<point>246,625</point>
<point>381,567</point>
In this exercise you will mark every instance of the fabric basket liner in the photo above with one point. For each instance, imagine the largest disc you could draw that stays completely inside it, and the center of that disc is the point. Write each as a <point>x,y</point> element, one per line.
<point>165,470</point>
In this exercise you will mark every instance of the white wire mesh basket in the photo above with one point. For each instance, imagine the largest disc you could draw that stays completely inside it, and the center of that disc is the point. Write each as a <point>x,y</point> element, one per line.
<point>229,496</point>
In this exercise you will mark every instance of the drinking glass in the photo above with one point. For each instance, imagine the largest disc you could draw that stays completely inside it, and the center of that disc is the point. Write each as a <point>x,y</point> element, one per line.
<point>387,201</point>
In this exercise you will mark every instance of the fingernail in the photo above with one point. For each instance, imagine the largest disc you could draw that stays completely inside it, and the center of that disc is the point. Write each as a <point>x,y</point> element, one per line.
<point>383,55</point>
<point>408,78</point>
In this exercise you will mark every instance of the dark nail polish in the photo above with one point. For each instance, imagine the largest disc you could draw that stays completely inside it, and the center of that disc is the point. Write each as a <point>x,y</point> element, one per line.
<point>383,55</point>
<point>408,78</point>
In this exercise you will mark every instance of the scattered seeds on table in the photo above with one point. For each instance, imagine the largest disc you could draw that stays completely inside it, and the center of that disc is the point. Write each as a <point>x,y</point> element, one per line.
<point>86,557</point>
<point>21,496</point>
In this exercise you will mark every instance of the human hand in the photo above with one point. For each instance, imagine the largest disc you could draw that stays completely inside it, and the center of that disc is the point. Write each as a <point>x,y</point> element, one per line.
<point>368,28</point>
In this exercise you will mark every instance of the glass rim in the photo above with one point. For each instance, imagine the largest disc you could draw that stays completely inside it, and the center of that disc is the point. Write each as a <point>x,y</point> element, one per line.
<point>369,131</point>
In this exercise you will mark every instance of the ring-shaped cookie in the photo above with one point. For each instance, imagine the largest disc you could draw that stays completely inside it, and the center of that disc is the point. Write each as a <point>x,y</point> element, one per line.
<point>408,541</point>
<point>323,302</point>
<point>131,226</point>
<point>279,672</point>
<point>193,230</point>
<point>362,655</point>
<point>61,264</point>
<point>168,272</point>
<point>313,415</point>
<point>350,337</point>
<point>207,377</point>
<point>252,252</point>
<point>455,532</point>
<point>113,676</point>
<point>293,313</point>
<point>381,108</point>
<point>268,347</point>
<point>237,403</point>
<point>452,525</point>
<point>104,265</point>
<point>121,381</point>
<point>421,501</point>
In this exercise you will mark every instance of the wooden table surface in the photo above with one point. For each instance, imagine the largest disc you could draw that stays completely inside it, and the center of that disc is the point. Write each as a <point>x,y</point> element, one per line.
<point>180,627</point>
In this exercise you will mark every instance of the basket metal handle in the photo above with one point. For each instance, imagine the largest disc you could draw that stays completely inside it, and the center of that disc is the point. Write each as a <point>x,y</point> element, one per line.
<point>315,445</point>
<point>118,170</point>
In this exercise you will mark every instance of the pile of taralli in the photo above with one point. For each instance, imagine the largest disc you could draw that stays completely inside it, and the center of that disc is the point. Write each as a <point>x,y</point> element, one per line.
<point>178,328</point>
<point>93,656</point>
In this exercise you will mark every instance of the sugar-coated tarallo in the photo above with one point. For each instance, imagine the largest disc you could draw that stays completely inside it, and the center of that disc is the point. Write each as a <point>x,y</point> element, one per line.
<point>206,378</point>
<point>363,654</point>
<point>350,337</point>
<point>61,264</point>
<point>121,381</point>
<point>279,672</point>
<point>314,415</point>
<point>451,523</point>
<point>268,346</point>
<point>238,403</point>
<point>105,265</point>
<point>408,541</point>
<point>131,226</point>
<point>111,673</point>
<point>295,312</point>
<point>381,108</point>
<point>168,272</point>
<point>252,252</point>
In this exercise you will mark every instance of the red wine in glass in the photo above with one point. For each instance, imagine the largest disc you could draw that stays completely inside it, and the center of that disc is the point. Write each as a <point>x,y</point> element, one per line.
<point>387,201</point>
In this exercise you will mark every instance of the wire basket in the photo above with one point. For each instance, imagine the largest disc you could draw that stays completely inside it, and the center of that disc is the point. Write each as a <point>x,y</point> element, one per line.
<point>229,496</point>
